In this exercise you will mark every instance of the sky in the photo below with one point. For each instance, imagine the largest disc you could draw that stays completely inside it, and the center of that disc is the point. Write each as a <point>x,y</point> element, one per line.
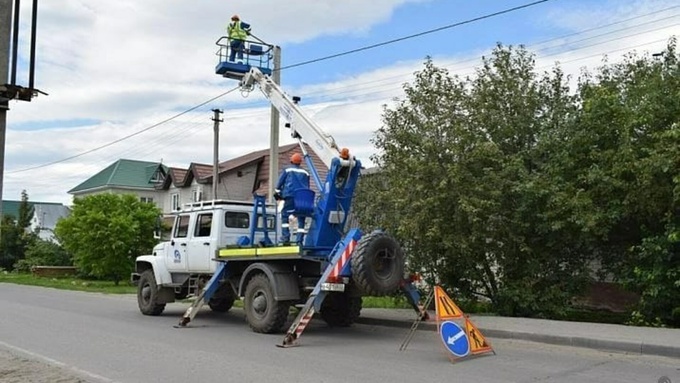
<point>118,68</point>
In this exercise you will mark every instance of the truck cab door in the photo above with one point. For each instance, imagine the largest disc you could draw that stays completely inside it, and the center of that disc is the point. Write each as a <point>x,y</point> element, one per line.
<point>201,248</point>
<point>176,253</point>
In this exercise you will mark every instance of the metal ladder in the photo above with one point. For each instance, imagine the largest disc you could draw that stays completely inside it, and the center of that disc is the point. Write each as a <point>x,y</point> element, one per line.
<point>206,294</point>
<point>422,315</point>
<point>340,259</point>
<point>260,211</point>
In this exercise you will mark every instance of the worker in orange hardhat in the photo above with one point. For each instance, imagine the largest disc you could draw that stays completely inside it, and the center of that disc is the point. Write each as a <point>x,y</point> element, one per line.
<point>238,32</point>
<point>291,179</point>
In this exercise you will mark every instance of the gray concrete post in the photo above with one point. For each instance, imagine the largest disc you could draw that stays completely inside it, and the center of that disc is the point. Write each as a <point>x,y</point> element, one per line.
<point>274,131</point>
<point>5,28</point>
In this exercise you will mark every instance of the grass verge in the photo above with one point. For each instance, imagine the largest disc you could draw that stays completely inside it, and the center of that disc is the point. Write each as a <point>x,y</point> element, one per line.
<point>108,287</point>
<point>69,283</point>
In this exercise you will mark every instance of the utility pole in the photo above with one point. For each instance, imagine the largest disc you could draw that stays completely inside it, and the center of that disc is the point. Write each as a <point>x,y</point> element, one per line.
<point>216,147</point>
<point>274,130</point>
<point>9,90</point>
<point>5,28</point>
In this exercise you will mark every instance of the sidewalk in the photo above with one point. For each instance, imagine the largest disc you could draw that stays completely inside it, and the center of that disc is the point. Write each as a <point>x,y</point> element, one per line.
<point>609,337</point>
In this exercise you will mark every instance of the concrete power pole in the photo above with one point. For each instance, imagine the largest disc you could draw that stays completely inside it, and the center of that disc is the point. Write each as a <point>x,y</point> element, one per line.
<point>5,29</point>
<point>274,131</point>
<point>216,154</point>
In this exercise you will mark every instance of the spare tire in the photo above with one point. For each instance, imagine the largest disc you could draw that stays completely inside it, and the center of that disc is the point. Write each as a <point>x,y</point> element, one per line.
<point>377,264</point>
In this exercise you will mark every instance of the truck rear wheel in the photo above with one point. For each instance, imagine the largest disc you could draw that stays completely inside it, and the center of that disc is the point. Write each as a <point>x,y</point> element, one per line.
<point>147,295</point>
<point>263,313</point>
<point>340,309</point>
<point>377,264</point>
<point>223,299</point>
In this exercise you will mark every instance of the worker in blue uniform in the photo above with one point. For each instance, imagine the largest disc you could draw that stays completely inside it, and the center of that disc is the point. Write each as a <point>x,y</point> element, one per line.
<point>291,179</point>
<point>238,32</point>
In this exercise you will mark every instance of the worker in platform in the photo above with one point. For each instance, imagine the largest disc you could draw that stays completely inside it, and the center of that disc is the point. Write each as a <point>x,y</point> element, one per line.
<point>291,179</point>
<point>238,32</point>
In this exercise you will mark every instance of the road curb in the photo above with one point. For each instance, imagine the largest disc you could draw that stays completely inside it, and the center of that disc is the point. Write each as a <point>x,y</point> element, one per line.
<point>574,341</point>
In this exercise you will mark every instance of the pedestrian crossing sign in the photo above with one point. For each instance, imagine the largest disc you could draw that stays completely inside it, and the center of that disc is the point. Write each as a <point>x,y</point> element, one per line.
<point>478,343</point>
<point>444,306</point>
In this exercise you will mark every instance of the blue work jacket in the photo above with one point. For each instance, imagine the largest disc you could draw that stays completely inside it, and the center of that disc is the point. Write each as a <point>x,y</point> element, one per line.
<point>291,179</point>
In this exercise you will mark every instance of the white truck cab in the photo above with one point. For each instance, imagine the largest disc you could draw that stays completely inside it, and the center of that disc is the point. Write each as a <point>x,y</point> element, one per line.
<point>180,266</point>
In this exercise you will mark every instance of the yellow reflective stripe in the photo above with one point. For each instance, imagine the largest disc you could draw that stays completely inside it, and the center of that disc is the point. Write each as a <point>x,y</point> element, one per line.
<point>278,250</point>
<point>260,251</point>
<point>237,252</point>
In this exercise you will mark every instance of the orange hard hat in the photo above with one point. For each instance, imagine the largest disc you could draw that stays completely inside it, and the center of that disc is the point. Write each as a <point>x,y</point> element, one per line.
<point>235,17</point>
<point>296,159</point>
<point>344,154</point>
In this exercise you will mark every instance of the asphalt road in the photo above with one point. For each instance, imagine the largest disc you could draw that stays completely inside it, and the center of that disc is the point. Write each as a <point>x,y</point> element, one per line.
<point>105,338</point>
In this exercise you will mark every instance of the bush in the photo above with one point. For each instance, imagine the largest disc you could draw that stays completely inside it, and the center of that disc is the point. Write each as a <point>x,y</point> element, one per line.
<point>43,253</point>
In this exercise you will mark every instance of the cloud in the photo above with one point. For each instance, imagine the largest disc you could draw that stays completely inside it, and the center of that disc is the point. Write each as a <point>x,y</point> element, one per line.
<point>93,53</point>
<point>586,15</point>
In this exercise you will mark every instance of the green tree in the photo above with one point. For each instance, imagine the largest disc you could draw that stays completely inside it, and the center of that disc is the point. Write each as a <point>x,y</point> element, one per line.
<point>14,236</point>
<point>25,211</point>
<point>509,185</point>
<point>460,162</point>
<point>105,232</point>
<point>625,147</point>
<point>11,249</point>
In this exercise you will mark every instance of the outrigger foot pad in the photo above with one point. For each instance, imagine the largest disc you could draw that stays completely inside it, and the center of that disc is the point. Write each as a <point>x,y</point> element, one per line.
<point>288,341</point>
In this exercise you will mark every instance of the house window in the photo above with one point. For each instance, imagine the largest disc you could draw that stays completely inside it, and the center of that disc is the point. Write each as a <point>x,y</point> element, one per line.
<point>175,202</point>
<point>158,176</point>
<point>197,195</point>
<point>146,199</point>
<point>181,226</point>
<point>203,225</point>
<point>237,220</point>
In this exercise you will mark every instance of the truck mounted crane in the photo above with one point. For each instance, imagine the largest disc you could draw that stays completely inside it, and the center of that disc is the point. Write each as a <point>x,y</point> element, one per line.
<point>327,273</point>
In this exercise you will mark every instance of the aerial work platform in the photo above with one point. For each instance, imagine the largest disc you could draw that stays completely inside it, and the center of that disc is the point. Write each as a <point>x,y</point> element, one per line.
<point>255,54</point>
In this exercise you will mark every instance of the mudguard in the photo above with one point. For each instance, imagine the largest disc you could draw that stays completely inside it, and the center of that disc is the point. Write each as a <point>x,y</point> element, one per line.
<point>283,281</point>
<point>145,262</point>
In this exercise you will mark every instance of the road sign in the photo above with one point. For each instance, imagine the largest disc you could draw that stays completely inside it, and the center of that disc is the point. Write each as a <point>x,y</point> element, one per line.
<point>444,305</point>
<point>455,339</point>
<point>478,343</point>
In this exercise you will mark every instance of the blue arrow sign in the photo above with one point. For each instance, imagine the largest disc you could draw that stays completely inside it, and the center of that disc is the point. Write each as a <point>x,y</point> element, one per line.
<point>455,339</point>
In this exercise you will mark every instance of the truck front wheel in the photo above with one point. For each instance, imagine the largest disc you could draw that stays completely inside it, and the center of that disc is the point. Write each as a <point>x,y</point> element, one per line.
<point>263,313</point>
<point>147,295</point>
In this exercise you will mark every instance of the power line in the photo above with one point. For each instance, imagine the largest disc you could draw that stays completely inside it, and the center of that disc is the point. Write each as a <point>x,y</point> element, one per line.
<point>468,70</point>
<point>427,32</point>
<point>359,50</point>
<point>176,137</point>
<point>350,92</point>
<point>430,31</point>
<point>124,138</point>
<point>611,24</point>
<point>531,45</point>
<point>329,94</point>
<point>355,90</point>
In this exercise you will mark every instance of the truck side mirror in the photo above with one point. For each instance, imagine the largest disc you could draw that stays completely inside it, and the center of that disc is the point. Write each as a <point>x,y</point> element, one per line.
<point>158,227</point>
